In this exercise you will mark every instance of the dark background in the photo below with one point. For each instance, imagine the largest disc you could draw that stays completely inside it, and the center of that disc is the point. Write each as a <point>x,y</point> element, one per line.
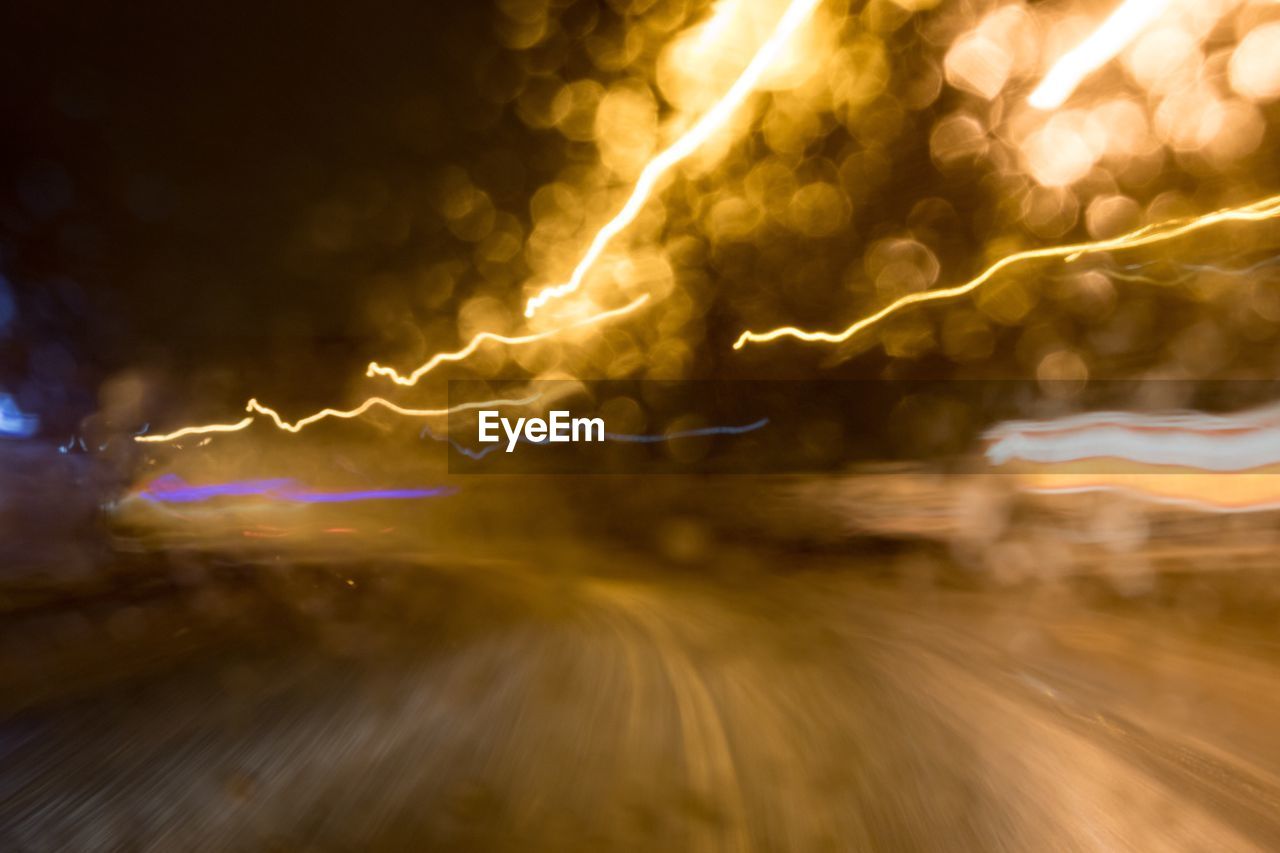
<point>177,181</point>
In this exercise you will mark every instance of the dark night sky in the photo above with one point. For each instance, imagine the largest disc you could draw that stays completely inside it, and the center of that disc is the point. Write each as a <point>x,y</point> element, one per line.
<point>164,162</point>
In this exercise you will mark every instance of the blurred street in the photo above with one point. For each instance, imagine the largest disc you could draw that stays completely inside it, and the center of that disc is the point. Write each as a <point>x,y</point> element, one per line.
<point>604,694</point>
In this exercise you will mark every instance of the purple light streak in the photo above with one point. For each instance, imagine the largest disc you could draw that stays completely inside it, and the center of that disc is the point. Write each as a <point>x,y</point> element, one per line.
<point>171,488</point>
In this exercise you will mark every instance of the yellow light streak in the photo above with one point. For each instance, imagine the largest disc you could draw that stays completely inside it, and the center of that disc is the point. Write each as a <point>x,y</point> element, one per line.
<point>196,430</point>
<point>694,138</point>
<point>376,369</point>
<point>435,361</point>
<point>300,424</point>
<point>1267,208</point>
<point>1123,25</point>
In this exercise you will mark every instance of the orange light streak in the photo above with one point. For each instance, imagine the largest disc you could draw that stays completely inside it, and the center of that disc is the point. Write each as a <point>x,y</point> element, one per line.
<point>435,361</point>
<point>195,430</point>
<point>1267,208</point>
<point>300,424</point>
<point>694,138</point>
<point>1112,36</point>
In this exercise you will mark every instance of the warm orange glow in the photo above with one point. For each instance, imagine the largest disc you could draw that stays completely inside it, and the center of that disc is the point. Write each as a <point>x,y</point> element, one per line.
<point>1102,45</point>
<point>1241,491</point>
<point>1255,64</point>
<point>694,138</point>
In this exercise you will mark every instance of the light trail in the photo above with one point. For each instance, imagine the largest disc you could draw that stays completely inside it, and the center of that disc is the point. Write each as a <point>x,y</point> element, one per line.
<point>1244,492</point>
<point>700,432</point>
<point>1190,270</point>
<point>629,438</point>
<point>15,422</point>
<point>1186,272</point>
<point>302,423</point>
<point>196,430</point>
<point>1217,463</point>
<point>376,369</point>
<point>435,361</point>
<point>1112,36</point>
<point>1204,442</point>
<point>694,138</point>
<point>1267,208</point>
<point>171,488</point>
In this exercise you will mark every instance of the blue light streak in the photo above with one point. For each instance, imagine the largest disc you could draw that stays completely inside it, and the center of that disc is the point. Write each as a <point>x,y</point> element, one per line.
<point>609,436</point>
<point>14,422</point>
